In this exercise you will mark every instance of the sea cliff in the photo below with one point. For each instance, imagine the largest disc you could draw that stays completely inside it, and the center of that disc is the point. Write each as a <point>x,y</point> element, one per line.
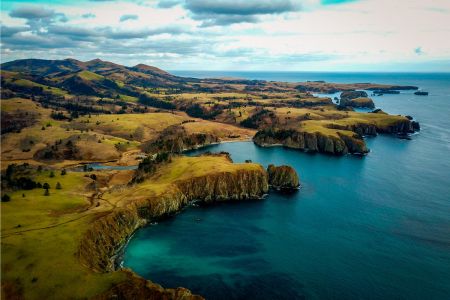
<point>311,142</point>
<point>110,231</point>
<point>339,137</point>
<point>283,177</point>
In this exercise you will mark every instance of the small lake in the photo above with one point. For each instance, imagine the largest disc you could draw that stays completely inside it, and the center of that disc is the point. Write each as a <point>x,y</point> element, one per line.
<point>101,167</point>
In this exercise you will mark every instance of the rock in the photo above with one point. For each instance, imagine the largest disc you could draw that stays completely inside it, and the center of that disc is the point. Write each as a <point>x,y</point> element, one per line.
<point>378,111</point>
<point>348,95</point>
<point>421,93</point>
<point>361,102</point>
<point>283,177</point>
<point>135,287</point>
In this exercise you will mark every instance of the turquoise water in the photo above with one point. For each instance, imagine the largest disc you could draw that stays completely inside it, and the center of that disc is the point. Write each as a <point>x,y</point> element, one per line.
<point>376,227</point>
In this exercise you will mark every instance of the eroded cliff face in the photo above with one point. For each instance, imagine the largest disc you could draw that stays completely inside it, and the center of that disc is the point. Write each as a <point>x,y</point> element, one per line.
<point>175,139</point>
<point>135,287</point>
<point>350,141</point>
<point>283,177</point>
<point>110,231</point>
<point>224,186</point>
<point>312,142</point>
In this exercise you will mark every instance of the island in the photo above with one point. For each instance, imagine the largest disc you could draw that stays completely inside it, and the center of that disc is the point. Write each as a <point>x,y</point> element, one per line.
<point>65,223</point>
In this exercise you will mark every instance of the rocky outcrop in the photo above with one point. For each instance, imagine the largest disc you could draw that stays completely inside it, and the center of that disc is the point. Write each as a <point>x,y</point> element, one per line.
<point>135,287</point>
<point>175,139</point>
<point>283,177</point>
<point>348,95</point>
<point>312,142</point>
<point>225,186</point>
<point>361,102</point>
<point>403,126</point>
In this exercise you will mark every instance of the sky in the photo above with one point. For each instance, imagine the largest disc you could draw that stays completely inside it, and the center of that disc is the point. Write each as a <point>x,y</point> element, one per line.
<point>269,35</point>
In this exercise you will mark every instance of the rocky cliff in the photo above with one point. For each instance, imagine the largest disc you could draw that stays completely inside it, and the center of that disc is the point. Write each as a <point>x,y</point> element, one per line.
<point>135,287</point>
<point>346,139</point>
<point>283,177</point>
<point>312,141</point>
<point>175,139</point>
<point>110,231</point>
<point>361,102</point>
<point>348,95</point>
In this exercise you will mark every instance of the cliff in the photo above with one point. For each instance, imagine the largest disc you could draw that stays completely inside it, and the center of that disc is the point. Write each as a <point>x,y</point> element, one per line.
<point>283,177</point>
<point>109,231</point>
<point>175,139</point>
<point>360,102</point>
<point>312,141</point>
<point>348,95</point>
<point>135,287</point>
<point>339,136</point>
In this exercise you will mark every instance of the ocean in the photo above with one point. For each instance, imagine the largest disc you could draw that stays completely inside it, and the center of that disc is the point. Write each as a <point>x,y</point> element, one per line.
<point>373,227</point>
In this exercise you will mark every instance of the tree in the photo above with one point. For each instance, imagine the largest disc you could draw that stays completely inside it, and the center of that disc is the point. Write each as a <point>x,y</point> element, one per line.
<point>63,172</point>
<point>46,186</point>
<point>52,174</point>
<point>58,186</point>
<point>46,193</point>
<point>6,198</point>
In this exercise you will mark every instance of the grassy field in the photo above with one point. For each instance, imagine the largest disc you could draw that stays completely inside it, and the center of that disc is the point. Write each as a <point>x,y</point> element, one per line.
<point>39,237</point>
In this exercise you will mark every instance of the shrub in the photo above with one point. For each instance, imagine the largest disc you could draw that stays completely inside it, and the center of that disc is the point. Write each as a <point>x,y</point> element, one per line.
<point>58,186</point>
<point>6,198</point>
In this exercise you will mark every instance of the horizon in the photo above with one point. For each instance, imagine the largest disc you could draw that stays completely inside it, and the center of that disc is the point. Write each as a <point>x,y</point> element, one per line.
<point>203,35</point>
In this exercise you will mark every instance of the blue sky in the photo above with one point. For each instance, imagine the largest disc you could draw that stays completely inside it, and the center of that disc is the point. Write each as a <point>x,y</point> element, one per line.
<point>290,35</point>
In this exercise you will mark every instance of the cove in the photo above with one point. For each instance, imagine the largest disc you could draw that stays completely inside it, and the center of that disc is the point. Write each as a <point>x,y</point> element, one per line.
<point>352,231</point>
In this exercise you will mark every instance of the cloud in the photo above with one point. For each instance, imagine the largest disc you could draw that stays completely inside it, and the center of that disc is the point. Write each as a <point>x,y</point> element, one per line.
<point>168,3</point>
<point>128,17</point>
<point>32,12</point>
<point>88,16</point>
<point>240,7</point>
<point>331,2</point>
<point>224,20</point>
<point>38,16</point>
<point>226,12</point>
<point>8,31</point>
<point>418,51</point>
<point>74,33</point>
<point>36,42</point>
<point>119,34</point>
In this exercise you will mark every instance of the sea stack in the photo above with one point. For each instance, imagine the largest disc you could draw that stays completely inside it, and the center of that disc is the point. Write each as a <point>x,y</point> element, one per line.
<point>283,178</point>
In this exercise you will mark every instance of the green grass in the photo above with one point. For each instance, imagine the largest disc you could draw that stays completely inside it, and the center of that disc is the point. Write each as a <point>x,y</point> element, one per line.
<point>39,256</point>
<point>90,76</point>
<point>29,83</point>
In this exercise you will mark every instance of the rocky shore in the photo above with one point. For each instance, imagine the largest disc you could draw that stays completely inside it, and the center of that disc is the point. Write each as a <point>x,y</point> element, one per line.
<point>348,138</point>
<point>312,142</point>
